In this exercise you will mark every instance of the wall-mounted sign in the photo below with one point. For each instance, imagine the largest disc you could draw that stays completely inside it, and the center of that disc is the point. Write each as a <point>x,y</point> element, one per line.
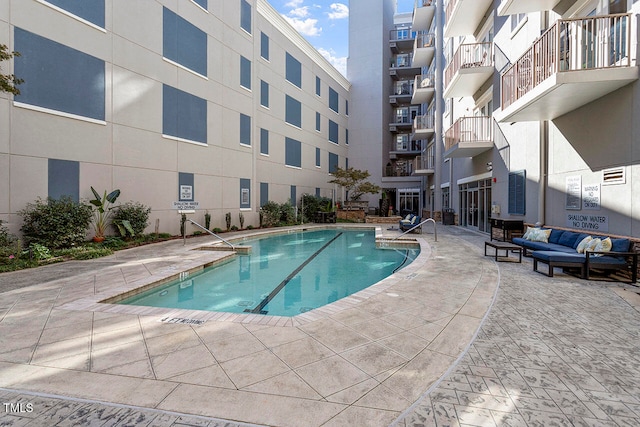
<point>186,192</point>
<point>591,197</point>
<point>185,206</point>
<point>573,191</point>
<point>588,222</point>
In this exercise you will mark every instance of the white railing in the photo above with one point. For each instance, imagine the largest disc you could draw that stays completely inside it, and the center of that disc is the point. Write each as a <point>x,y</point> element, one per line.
<point>424,81</point>
<point>470,55</point>
<point>597,42</point>
<point>469,129</point>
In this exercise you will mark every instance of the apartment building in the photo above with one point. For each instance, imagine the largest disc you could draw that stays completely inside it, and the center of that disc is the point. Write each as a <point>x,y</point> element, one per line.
<point>539,123</point>
<point>540,100</point>
<point>196,104</point>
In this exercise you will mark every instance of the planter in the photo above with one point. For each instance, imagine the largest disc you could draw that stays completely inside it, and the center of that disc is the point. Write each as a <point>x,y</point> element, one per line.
<point>98,239</point>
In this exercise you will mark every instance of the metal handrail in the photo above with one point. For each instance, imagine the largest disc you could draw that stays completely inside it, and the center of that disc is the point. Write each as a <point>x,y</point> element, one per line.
<point>435,231</point>
<point>208,231</point>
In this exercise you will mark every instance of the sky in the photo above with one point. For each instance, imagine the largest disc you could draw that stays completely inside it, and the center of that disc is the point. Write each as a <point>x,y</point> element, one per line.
<point>325,24</point>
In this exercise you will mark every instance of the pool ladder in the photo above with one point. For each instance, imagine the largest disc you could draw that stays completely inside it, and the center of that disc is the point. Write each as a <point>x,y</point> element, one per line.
<point>435,231</point>
<point>184,237</point>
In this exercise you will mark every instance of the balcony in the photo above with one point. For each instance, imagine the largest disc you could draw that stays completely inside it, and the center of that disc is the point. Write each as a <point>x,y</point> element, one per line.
<point>402,67</point>
<point>404,146</point>
<point>424,49</point>
<point>470,67</point>
<point>424,126</point>
<point>397,169</point>
<point>424,165</point>
<point>402,92</point>
<point>424,88</point>
<point>423,13</point>
<point>400,123</point>
<point>464,16</point>
<point>512,7</point>
<point>573,63</point>
<point>401,39</point>
<point>468,137</point>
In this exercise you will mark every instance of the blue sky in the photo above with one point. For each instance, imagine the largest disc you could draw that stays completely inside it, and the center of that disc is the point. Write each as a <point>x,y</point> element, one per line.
<point>325,24</point>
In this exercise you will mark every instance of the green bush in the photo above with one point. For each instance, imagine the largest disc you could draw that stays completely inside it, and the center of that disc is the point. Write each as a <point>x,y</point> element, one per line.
<point>135,212</point>
<point>313,204</point>
<point>55,223</point>
<point>274,214</point>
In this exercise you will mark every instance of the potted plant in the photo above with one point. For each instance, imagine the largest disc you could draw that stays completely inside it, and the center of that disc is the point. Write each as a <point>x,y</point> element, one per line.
<point>102,212</point>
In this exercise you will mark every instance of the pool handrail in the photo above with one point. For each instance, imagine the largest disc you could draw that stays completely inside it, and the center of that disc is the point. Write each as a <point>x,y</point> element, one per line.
<point>208,231</point>
<point>435,231</point>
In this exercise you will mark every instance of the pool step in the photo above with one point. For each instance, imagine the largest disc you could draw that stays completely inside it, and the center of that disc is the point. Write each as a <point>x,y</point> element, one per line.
<point>240,250</point>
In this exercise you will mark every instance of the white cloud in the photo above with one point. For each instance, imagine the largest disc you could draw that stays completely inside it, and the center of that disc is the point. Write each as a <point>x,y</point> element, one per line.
<point>306,27</point>
<point>340,63</point>
<point>338,11</point>
<point>294,3</point>
<point>300,12</point>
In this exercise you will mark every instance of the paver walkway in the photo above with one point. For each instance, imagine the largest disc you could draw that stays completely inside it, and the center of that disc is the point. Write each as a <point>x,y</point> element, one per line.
<point>553,351</point>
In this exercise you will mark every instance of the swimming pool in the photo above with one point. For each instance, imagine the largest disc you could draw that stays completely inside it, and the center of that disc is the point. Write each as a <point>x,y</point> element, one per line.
<point>284,275</point>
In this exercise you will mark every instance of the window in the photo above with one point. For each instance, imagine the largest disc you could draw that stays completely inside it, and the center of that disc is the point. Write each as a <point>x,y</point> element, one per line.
<point>517,185</point>
<point>245,129</point>
<point>294,195</point>
<point>264,141</point>
<point>245,73</point>
<point>317,157</point>
<point>346,136</point>
<point>183,42</point>
<point>317,191</point>
<point>318,86</point>
<point>245,16</point>
<point>333,99</point>
<point>333,162</point>
<point>264,46</point>
<point>264,193</point>
<point>245,193</point>
<point>333,131</point>
<point>346,107</point>
<point>318,117</point>
<point>517,20</point>
<point>293,111</point>
<point>186,187</point>
<point>293,70</point>
<point>63,179</point>
<point>201,3</point>
<point>89,10</point>
<point>79,78</point>
<point>264,93</point>
<point>293,152</point>
<point>183,115</point>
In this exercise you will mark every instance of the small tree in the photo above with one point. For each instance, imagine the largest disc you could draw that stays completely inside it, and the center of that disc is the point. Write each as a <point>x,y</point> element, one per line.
<point>8,82</point>
<point>355,182</point>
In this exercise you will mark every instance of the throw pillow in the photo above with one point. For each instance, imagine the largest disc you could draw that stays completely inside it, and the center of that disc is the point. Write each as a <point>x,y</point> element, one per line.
<point>591,246</point>
<point>528,233</point>
<point>583,244</point>
<point>408,217</point>
<point>603,246</point>
<point>540,235</point>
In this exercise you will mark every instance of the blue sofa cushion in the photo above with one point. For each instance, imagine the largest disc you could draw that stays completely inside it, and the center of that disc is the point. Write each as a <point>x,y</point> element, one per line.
<point>568,238</point>
<point>620,245</point>
<point>604,261</point>
<point>555,235</point>
<point>581,236</point>
<point>555,256</point>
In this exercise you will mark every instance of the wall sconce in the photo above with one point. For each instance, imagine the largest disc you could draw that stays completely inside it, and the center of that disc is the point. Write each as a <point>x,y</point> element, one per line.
<point>489,166</point>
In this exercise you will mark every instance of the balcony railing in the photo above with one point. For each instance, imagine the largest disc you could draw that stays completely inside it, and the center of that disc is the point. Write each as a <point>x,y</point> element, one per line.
<point>402,34</point>
<point>424,81</point>
<point>425,3</point>
<point>424,122</point>
<point>468,56</point>
<point>468,129</point>
<point>598,42</point>
<point>451,5</point>
<point>424,162</point>
<point>403,87</point>
<point>401,61</point>
<point>425,39</point>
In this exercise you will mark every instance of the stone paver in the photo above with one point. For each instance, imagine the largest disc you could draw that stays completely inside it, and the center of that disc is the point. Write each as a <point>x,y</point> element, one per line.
<point>552,351</point>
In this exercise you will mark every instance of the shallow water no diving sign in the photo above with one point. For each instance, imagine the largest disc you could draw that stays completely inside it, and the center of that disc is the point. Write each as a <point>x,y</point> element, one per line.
<point>182,320</point>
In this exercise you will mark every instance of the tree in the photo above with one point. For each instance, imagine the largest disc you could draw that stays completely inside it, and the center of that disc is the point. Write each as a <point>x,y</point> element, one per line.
<point>354,181</point>
<point>8,82</point>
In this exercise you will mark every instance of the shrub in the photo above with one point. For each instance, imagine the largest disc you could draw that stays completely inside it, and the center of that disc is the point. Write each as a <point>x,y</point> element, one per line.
<point>313,204</point>
<point>136,213</point>
<point>56,223</point>
<point>6,239</point>
<point>273,214</point>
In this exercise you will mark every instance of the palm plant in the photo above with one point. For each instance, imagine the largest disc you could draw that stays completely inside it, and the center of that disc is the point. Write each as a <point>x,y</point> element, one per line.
<point>102,211</point>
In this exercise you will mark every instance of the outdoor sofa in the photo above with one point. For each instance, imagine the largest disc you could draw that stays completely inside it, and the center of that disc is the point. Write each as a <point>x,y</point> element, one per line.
<point>410,221</point>
<point>578,251</point>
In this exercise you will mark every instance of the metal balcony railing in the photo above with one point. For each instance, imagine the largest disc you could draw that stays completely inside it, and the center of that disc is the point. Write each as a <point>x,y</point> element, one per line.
<point>402,34</point>
<point>471,55</point>
<point>423,162</point>
<point>425,81</point>
<point>597,42</point>
<point>451,5</point>
<point>401,61</point>
<point>469,129</point>
<point>425,39</point>
<point>425,122</point>
<point>403,87</point>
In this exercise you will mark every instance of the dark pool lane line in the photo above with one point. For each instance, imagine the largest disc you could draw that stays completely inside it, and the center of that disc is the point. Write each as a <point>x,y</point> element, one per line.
<point>259,308</point>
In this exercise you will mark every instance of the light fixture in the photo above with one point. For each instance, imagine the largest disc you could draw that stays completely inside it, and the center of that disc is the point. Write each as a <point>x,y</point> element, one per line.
<point>489,166</point>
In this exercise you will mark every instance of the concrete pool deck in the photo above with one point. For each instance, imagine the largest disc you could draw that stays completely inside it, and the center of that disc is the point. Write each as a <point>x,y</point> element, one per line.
<point>414,352</point>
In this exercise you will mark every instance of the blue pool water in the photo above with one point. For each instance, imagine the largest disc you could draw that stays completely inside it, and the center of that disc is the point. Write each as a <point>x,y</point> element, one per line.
<point>284,275</point>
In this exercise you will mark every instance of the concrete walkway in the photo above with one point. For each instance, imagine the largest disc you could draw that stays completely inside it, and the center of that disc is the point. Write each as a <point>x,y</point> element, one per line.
<point>552,351</point>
